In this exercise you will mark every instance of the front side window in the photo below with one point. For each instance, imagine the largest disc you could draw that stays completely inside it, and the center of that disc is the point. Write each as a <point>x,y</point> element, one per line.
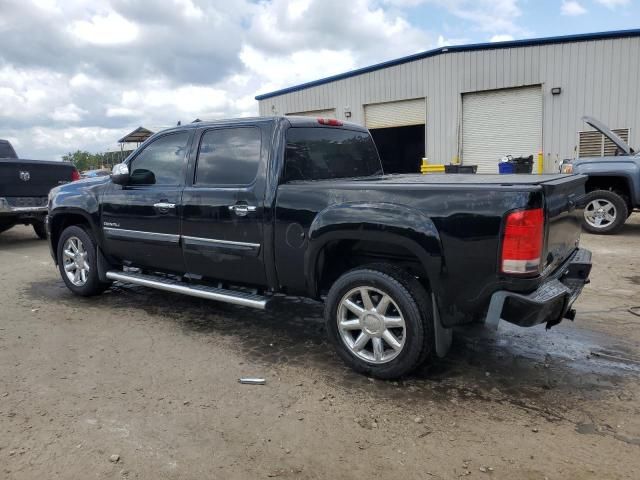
<point>161,162</point>
<point>228,156</point>
<point>324,153</point>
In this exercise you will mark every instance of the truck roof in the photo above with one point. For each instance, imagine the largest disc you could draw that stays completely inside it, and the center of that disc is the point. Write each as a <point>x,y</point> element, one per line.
<point>294,121</point>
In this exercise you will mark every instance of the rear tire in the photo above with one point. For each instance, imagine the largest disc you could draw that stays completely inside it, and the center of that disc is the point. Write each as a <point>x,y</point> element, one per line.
<point>386,335</point>
<point>605,212</point>
<point>77,262</point>
<point>40,229</point>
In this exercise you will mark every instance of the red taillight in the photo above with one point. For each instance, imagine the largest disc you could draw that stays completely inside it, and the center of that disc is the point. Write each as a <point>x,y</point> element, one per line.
<point>75,175</point>
<point>522,242</point>
<point>330,121</point>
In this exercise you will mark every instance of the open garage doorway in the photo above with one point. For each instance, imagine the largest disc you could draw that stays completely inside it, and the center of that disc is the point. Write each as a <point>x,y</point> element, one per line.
<point>401,148</point>
<point>398,128</point>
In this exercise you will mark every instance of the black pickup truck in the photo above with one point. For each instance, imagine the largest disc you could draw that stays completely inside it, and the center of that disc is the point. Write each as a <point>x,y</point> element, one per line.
<point>24,186</point>
<point>239,210</point>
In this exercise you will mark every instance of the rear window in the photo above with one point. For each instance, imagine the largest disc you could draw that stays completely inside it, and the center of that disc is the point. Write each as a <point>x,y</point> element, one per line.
<point>325,153</point>
<point>6,150</point>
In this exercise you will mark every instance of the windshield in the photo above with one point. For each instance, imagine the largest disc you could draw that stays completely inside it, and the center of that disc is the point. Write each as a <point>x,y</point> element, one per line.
<point>325,153</point>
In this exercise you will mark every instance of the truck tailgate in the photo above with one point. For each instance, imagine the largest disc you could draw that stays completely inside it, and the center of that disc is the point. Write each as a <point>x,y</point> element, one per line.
<point>563,208</point>
<point>32,178</point>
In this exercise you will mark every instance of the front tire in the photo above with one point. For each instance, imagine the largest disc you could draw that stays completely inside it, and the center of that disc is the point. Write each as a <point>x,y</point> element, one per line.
<point>605,212</point>
<point>77,262</point>
<point>379,320</point>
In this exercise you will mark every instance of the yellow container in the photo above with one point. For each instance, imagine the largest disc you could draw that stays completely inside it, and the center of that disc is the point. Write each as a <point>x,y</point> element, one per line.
<point>430,168</point>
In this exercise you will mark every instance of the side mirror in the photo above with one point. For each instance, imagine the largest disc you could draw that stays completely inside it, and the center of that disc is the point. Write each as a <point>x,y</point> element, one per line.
<point>120,174</point>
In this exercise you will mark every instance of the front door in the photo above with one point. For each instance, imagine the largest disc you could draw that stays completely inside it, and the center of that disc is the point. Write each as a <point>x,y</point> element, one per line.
<point>141,220</point>
<point>222,223</point>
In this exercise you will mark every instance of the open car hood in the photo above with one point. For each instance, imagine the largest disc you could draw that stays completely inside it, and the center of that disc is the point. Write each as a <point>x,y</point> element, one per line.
<point>602,128</point>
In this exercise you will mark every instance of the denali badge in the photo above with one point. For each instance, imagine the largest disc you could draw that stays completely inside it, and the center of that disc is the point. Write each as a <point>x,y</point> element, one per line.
<point>25,176</point>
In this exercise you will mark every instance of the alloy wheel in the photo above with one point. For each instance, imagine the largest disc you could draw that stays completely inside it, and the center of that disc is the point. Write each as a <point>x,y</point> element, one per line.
<point>371,325</point>
<point>76,266</point>
<point>600,213</point>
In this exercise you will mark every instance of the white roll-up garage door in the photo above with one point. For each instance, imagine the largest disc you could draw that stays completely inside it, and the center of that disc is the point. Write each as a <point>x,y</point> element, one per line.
<point>501,122</point>
<point>395,114</point>
<point>329,113</point>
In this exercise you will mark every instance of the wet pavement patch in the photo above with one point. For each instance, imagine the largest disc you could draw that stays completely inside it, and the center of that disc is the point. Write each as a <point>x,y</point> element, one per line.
<point>544,372</point>
<point>605,430</point>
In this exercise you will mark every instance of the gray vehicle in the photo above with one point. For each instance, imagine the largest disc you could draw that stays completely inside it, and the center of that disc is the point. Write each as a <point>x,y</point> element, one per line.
<point>613,187</point>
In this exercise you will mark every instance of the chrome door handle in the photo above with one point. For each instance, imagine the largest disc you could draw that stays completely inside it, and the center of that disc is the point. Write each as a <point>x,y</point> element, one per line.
<point>164,205</point>
<point>242,210</point>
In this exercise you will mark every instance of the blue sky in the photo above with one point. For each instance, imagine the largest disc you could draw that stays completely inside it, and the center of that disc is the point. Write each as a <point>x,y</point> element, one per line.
<point>520,19</point>
<point>79,75</point>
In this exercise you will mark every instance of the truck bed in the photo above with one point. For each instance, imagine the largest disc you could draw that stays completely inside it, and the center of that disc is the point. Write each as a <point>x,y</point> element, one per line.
<point>458,179</point>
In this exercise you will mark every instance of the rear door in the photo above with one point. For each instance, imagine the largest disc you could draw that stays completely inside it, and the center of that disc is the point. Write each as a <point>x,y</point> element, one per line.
<point>141,220</point>
<point>223,204</point>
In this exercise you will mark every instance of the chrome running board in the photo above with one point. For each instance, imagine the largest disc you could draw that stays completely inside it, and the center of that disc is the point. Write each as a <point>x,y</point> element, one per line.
<point>201,291</point>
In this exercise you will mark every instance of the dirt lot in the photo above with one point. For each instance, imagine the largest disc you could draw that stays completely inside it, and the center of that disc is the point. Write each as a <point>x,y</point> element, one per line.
<point>152,378</point>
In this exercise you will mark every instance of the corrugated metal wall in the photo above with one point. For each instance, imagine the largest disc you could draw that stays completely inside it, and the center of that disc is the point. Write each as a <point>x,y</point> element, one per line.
<point>597,77</point>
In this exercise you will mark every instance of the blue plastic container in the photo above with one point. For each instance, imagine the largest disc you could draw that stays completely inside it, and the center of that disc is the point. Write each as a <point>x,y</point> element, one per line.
<point>506,168</point>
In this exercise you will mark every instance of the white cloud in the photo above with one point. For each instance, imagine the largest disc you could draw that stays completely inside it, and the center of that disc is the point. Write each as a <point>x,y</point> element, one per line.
<point>360,26</point>
<point>116,111</point>
<point>189,9</point>
<point>503,37</point>
<point>82,80</point>
<point>447,42</point>
<point>297,8</point>
<point>68,113</point>
<point>572,8</point>
<point>53,142</point>
<point>490,16</point>
<point>109,29</point>
<point>614,3</point>
<point>295,68</point>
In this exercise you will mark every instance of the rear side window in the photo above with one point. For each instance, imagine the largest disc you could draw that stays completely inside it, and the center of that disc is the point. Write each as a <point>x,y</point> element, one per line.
<point>324,153</point>
<point>228,156</point>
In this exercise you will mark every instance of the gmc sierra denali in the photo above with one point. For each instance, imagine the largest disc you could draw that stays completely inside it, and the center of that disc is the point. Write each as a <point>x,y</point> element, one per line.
<point>24,186</point>
<point>239,210</point>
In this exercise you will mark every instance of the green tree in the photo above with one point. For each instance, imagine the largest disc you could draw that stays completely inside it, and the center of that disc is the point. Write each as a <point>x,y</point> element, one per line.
<point>84,160</point>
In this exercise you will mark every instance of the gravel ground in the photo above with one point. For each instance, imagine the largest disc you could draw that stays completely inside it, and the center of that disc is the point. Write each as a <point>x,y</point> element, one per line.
<point>138,383</point>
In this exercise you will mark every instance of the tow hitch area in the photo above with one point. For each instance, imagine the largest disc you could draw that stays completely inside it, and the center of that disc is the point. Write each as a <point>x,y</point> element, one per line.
<point>550,303</point>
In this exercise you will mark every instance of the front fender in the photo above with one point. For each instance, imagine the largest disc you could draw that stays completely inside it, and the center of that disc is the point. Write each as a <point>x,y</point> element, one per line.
<point>80,198</point>
<point>382,222</point>
<point>625,168</point>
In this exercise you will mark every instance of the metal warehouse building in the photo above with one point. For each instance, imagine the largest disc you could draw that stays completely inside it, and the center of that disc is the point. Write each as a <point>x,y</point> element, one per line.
<point>476,103</point>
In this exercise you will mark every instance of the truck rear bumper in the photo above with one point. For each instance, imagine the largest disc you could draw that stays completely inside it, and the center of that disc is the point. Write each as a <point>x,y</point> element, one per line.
<point>550,303</point>
<point>22,207</point>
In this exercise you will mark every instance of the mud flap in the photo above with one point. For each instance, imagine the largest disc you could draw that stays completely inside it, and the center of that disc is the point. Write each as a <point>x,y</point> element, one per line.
<point>103,266</point>
<point>443,336</point>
